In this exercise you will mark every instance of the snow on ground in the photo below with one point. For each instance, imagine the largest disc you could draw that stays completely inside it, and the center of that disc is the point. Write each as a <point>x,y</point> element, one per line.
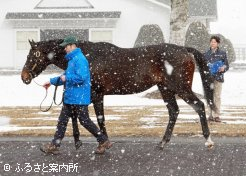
<point>233,90</point>
<point>17,128</point>
<point>6,126</point>
<point>13,92</point>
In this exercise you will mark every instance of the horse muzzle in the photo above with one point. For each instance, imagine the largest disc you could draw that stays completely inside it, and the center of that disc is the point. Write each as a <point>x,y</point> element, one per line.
<point>26,77</point>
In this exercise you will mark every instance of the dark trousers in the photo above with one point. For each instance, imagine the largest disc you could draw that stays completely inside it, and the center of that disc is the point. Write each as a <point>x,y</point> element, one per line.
<point>76,133</point>
<point>76,112</point>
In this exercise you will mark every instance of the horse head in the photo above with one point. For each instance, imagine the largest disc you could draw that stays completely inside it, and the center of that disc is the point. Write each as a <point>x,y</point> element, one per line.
<point>40,56</point>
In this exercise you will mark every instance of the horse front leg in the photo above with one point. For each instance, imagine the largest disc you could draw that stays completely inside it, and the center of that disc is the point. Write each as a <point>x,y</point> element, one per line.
<point>98,106</point>
<point>173,111</point>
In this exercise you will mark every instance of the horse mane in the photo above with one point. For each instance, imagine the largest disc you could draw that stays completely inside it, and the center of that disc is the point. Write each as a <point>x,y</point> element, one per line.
<point>89,43</point>
<point>49,44</point>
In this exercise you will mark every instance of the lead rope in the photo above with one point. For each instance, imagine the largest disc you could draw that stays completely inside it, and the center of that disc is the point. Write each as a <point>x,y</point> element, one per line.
<point>46,94</point>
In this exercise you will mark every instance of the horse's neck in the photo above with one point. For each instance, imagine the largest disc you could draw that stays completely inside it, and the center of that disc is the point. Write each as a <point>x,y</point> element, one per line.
<point>84,46</point>
<point>61,65</point>
<point>60,61</point>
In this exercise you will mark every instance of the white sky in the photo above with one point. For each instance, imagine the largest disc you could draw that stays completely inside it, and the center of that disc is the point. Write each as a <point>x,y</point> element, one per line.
<point>231,20</point>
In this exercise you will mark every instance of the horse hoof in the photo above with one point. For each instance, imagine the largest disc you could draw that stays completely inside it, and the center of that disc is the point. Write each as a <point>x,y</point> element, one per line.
<point>78,144</point>
<point>161,145</point>
<point>209,145</point>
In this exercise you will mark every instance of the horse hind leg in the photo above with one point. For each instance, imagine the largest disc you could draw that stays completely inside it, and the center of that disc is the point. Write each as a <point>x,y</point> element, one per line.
<point>173,110</point>
<point>199,107</point>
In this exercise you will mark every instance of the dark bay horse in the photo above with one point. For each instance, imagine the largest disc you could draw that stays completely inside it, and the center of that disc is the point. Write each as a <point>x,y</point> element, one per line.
<point>123,71</point>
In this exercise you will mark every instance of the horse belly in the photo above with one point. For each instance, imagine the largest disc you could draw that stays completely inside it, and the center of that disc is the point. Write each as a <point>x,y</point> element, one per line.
<point>128,86</point>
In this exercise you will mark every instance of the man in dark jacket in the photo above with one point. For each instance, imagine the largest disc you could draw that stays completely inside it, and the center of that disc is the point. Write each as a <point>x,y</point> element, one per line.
<point>218,65</point>
<point>77,97</point>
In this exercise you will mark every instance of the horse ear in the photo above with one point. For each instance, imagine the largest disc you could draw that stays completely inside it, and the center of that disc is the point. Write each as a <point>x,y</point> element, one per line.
<point>59,41</point>
<point>32,43</point>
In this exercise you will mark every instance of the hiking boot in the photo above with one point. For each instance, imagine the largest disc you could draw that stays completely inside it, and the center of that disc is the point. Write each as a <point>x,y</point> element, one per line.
<point>103,146</point>
<point>78,144</point>
<point>50,148</point>
<point>217,119</point>
<point>210,118</point>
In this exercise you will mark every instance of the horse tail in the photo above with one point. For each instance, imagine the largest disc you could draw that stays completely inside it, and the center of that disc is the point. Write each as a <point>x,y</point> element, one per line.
<point>207,79</point>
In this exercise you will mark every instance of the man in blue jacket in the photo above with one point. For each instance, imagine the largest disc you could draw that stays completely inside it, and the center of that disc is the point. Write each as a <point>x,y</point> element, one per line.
<point>218,65</point>
<point>77,97</point>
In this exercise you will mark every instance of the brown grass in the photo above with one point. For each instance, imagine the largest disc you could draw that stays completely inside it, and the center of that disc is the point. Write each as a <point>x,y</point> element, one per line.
<point>129,125</point>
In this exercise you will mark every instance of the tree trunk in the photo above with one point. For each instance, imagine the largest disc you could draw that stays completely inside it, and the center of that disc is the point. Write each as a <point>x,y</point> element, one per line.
<point>178,21</point>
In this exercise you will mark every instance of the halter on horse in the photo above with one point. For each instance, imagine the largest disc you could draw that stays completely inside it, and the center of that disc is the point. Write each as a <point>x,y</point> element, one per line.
<point>123,71</point>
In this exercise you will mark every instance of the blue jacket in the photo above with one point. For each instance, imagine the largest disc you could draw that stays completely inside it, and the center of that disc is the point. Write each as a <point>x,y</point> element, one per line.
<point>215,60</point>
<point>78,83</point>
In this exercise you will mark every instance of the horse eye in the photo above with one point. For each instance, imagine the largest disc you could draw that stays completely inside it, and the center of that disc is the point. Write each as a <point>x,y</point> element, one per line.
<point>51,55</point>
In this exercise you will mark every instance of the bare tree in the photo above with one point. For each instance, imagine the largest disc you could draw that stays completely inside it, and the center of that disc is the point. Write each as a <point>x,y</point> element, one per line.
<point>178,21</point>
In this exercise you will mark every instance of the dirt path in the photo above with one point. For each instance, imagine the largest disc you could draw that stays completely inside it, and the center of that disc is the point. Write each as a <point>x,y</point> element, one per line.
<point>122,121</point>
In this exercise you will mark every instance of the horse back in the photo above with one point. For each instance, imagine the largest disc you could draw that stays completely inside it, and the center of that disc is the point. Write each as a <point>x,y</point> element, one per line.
<point>131,70</point>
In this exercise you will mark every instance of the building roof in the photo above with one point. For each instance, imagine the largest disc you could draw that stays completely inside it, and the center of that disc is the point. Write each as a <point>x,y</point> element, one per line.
<point>63,4</point>
<point>61,15</point>
<point>203,9</point>
<point>63,19</point>
<point>166,2</point>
